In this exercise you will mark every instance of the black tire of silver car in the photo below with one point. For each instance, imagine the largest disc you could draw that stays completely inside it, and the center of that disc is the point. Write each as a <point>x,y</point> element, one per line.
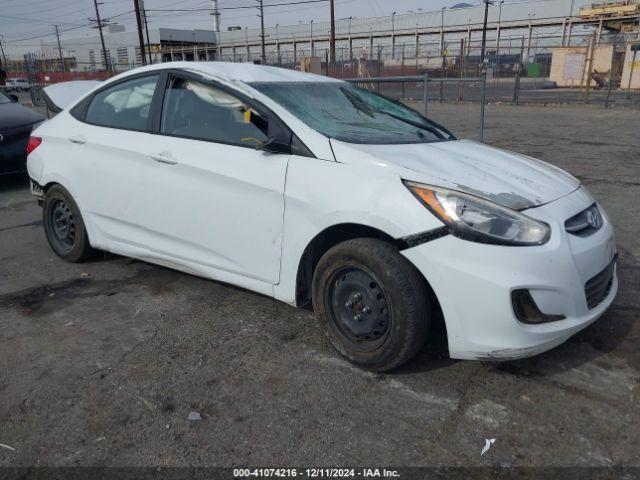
<point>371,303</point>
<point>64,227</point>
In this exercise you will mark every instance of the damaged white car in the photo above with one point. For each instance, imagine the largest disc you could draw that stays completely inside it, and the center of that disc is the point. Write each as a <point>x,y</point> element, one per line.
<point>316,192</point>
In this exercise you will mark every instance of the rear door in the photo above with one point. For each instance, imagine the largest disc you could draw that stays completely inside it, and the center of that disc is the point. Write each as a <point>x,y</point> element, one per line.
<point>110,147</point>
<point>218,201</point>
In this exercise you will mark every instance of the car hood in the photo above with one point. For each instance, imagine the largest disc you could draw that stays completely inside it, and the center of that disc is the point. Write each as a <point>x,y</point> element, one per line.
<point>13,115</point>
<point>509,179</point>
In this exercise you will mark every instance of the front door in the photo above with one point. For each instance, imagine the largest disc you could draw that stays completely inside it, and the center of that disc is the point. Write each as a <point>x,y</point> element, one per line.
<point>216,201</point>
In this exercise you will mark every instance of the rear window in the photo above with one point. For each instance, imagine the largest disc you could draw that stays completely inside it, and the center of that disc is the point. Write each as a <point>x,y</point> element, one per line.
<point>124,105</point>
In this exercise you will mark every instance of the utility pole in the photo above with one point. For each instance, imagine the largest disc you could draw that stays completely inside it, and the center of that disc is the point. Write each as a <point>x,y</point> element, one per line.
<point>263,54</point>
<point>332,44</point>
<point>4,59</point>
<point>499,31</point>
<point>216,16</point>
<point>107,63</point>
<point>60,52</point>
<point>484,32</point>
<point>140,36</point>
<point>146,30</point>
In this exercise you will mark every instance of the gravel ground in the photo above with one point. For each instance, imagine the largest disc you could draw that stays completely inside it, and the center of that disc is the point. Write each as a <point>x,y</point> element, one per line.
<point>103,362</point>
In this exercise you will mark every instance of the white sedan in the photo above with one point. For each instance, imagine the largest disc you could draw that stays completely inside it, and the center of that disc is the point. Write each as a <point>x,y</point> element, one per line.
<point>316,192</point>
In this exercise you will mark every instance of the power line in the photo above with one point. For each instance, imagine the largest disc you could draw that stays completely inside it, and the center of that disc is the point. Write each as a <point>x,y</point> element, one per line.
<point>240,7</point>
<point>17,40</point>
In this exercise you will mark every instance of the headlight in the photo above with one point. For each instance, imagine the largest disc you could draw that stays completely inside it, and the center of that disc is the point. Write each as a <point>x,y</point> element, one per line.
<point>478,220</point>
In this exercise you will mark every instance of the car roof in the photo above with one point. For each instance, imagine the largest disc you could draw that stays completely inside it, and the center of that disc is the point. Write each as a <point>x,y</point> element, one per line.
<point>241,72</point>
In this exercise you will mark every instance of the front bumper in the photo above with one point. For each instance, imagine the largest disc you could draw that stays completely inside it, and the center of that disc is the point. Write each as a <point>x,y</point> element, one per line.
<point>473,283</point>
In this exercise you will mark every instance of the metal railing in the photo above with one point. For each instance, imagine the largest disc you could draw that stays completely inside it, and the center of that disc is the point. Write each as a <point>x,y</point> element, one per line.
<point>425,80</point>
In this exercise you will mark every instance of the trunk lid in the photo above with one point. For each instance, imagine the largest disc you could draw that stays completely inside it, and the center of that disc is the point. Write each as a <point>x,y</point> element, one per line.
<point>59,96</point>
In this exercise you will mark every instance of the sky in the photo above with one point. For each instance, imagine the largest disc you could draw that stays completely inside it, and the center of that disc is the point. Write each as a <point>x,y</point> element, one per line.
<point>23,19</point>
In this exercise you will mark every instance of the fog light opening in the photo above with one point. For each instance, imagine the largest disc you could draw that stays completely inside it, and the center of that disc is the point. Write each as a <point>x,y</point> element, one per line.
<point>526,310</point>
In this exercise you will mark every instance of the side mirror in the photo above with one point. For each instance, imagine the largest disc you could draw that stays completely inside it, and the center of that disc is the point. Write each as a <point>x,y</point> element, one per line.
<point>273,145</point>
<point>14,97</point>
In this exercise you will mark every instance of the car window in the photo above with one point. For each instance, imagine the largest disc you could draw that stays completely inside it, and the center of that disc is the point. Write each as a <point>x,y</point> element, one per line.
<point>351,114</point>
<point>125,105</point>
<point>195,110</point>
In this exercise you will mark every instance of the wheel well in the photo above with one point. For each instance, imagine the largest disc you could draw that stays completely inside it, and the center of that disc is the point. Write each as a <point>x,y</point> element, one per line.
<point>320,244</point>
<point>49,185</point>
<point>336,234</point>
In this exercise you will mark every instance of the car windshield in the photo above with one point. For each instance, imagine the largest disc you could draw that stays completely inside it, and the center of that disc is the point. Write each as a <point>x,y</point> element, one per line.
<point>351,114</point>
<point>3,98</point>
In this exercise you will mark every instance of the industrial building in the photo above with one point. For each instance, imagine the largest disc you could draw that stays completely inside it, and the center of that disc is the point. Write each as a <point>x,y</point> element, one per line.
<point>517,33</point>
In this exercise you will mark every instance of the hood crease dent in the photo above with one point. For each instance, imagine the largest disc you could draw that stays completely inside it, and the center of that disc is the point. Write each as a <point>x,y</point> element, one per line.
<point>509,179</point>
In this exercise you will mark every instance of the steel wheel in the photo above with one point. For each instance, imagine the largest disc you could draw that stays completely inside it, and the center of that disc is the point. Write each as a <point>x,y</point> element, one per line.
<point>371,303</point>
<point>358,308</point>
<point>63,225</point>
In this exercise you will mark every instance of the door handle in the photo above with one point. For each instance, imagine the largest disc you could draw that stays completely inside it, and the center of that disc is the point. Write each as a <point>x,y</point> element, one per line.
<point>164,157</point>
<point>80,140</point>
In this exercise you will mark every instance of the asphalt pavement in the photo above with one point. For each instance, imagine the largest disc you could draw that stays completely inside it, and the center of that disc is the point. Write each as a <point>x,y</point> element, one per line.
<point>104,363</point>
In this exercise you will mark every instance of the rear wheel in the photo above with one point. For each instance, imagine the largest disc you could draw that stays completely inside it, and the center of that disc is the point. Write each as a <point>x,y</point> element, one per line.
<point>371,303</point>
<point>64,227</point>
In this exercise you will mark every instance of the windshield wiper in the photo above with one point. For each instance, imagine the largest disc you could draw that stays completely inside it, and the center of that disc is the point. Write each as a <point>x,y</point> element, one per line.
<point>414,123</point>
<point>360,105</point>
<point>357,102</point>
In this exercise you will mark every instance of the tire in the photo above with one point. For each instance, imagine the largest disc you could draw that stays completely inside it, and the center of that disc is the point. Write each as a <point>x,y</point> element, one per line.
<point>64,227</point>
<point>371,303</point>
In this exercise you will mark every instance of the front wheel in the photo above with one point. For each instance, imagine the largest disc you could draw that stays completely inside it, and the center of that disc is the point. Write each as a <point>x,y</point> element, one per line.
<point>64,227</point>
<point>371,303</point>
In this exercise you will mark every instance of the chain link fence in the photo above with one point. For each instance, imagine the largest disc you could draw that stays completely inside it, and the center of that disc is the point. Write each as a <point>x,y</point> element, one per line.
<point>519,70</point>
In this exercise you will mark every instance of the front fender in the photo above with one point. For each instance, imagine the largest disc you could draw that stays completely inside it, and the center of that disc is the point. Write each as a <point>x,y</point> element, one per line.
<point>319,195</point>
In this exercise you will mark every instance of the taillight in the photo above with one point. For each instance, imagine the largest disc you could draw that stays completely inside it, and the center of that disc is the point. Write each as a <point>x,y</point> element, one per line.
<point>34,142</point>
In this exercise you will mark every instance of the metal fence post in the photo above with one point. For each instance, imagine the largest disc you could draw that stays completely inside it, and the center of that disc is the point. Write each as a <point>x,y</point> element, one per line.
<point>516,90</point>
<point>613,57</point>
<point>425,93</point>
<point>633,64</point>
<point>483,95</point>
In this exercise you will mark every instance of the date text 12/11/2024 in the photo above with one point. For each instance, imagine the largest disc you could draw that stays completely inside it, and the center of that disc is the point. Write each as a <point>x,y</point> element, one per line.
<point>316,472</point>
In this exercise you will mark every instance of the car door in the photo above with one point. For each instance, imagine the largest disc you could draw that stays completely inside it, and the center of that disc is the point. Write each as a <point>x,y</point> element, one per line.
<point>219,202</point>
<point>109,146</point>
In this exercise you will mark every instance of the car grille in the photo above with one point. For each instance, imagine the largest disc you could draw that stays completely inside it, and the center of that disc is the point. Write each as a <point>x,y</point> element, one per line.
<point>598,287</point>
<point>585,223</point>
